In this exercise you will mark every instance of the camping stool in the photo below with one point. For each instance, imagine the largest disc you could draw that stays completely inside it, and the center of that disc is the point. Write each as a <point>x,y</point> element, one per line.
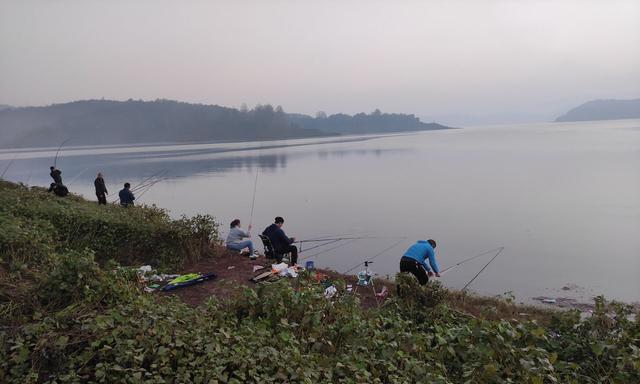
<point>270,253</point>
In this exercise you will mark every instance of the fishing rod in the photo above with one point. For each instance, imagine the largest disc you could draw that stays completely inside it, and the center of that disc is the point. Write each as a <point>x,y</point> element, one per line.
<point>7,167</point>
<point>147,182</point>
<point>376,255</point>
<point>55,159</point>
<point>318,246</point>
<point>76,176</point>
<point>485,266</point>
<point>327,241</point>
<point>328,237</point>
<point>149,187</point>
<point>255,186</point>
<point>469,259</point>
<point>329,249</point>
<point>349,238</point>
<point>158,174</point>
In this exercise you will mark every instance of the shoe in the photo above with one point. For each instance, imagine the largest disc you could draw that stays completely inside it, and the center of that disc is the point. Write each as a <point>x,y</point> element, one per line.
<point>253,256</point>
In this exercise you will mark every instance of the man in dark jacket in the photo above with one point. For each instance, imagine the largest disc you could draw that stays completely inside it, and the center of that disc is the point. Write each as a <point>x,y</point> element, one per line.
<point>58,189</point>
<point>101,189</point>
<point>56,175</point>
<point>126,196</point>
<point>281,243</point>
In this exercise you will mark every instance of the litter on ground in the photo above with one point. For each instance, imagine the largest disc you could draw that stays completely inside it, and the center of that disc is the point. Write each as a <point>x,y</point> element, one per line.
<point>329,292</point>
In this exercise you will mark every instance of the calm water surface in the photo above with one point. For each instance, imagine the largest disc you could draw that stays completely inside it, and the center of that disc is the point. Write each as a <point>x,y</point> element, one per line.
<point>562,198</point>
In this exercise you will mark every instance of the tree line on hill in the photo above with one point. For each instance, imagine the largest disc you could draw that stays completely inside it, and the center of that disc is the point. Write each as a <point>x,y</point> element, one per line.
<point>93,122</point>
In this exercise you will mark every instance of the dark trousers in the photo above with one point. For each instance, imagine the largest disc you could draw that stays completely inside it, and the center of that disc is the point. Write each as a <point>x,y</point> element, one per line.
<point>410,265</point>
<point>102,198</point>
<point>293,250</point>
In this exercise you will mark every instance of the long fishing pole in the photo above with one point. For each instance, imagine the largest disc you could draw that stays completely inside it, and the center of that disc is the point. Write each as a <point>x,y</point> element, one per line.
<point>55,159</point>
<point>159,176</point>
<point>76,176</point>
<point>330,237</point>
<point>328,241</point>
<point>328,249</point>
<point>321,245</point>
<point>485,266</point>
<point>149,183</point>
<point>156,175</point>
<point>321,239</point>
<point>7,167</point>
<point>149,187</point>
<point>255,186</point>
<point>376,255</point>
<point>349,238</point>
<point>469,259</point>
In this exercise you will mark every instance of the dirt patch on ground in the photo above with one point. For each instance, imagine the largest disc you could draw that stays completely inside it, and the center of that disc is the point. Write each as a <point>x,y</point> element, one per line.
<point>235,272</point>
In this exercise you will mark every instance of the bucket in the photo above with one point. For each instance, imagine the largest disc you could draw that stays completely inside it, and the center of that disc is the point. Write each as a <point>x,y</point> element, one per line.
<point>309,264</point>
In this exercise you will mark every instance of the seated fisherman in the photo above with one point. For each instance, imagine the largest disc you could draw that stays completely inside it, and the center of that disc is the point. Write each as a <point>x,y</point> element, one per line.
<point>235,238</point>
<point>58,189</point>
<point>414,260</point>
<point>280,242</point>
<point>126,196</point>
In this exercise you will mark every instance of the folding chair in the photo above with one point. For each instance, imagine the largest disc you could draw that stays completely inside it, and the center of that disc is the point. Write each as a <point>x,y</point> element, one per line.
<point>270,252</point>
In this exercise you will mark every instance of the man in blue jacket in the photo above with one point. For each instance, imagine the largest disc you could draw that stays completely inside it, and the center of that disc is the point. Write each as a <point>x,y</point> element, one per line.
<point>414,260</point>
<point>126,196</point>
<point>281,243</point>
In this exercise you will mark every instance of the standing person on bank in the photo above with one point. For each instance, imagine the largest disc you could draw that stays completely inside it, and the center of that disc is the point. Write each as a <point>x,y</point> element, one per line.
<point>281,243</point>
<point>126,196</point>
<point>235,238</point>
<point>101,189</point>
<point>414,260</point>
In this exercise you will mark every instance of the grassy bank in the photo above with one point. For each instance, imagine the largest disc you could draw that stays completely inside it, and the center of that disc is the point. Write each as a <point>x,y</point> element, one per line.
<point>71,312</point>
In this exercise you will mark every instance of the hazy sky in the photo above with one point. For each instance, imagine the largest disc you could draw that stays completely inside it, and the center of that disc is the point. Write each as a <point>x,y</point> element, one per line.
<point>455,61</point>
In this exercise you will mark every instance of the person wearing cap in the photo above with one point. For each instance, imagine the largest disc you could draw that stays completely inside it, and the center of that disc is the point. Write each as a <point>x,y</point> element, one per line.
<point>279,240</point>
<point>235,238</point>
<point>415,259</point>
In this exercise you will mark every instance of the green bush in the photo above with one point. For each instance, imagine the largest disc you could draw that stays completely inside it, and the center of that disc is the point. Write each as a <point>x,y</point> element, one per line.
<point>36,222</point>
<point>69,314</point>
<point>280,334</point>
<point>75,277</point>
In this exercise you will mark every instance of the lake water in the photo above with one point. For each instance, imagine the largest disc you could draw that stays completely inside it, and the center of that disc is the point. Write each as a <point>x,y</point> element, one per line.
<point>562,198</point>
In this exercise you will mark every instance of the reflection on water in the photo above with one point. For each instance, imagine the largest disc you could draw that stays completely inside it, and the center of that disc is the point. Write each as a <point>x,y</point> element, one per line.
<point>563,199</point>
<point>133,163</point>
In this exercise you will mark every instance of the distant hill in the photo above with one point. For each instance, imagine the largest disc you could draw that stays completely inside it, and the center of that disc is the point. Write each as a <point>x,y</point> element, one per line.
<point>361,123</point>
<point>4,106</point>
<point>604,110</point>
<point>92,122</point>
